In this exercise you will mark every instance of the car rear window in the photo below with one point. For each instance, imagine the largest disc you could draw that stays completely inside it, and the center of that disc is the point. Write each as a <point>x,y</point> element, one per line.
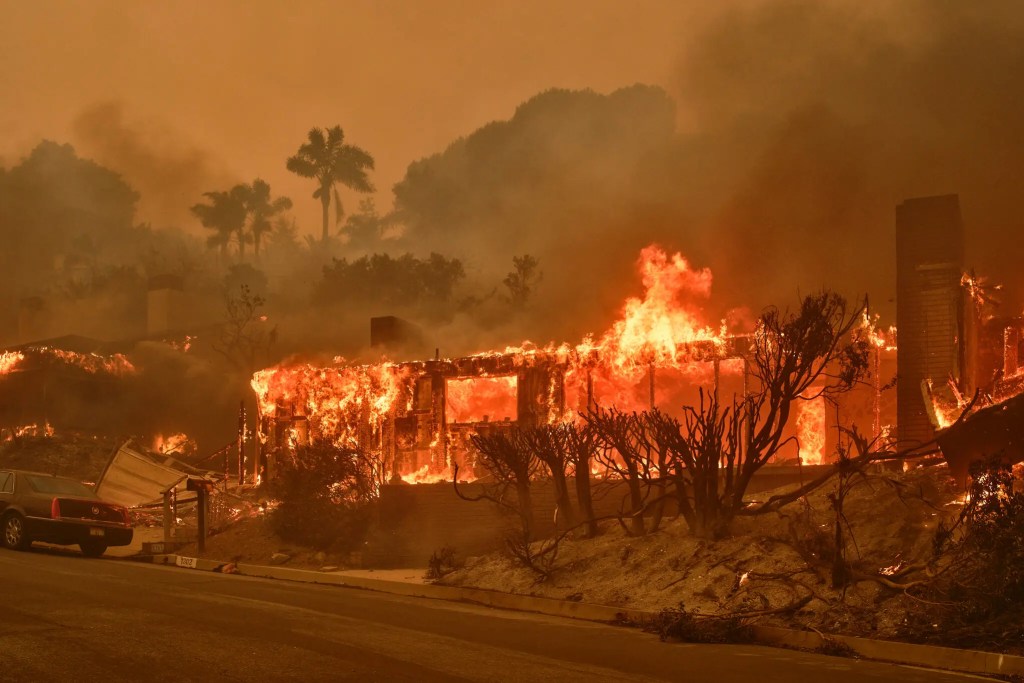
<point>5,483</point>
<point>57,485</point>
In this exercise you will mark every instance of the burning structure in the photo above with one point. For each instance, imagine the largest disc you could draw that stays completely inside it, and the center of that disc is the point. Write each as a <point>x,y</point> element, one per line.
<point>954,355</point>
<point>418,417</point>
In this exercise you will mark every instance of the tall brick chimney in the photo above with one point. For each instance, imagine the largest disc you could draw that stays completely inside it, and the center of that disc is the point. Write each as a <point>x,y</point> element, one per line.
<point>929,306</point>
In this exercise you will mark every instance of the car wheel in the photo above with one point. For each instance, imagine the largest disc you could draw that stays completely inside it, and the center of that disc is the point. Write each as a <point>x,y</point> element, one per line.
<point>93,548</point>
<point>14,536</point>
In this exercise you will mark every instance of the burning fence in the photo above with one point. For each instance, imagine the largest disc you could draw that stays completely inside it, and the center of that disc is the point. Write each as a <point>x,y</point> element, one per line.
<point>418,417</point>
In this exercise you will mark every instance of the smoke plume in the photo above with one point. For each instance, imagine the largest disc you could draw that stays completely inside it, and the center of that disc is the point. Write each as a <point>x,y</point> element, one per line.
<point>169,173</point>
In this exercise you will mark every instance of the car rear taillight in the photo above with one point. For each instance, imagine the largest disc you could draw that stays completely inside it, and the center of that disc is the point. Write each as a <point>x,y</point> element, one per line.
<point>127,516</point>
<point>55,509</point>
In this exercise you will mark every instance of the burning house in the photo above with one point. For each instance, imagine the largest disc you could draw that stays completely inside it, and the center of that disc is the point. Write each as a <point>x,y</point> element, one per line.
<point>960,376</point>
<point>418,417</point>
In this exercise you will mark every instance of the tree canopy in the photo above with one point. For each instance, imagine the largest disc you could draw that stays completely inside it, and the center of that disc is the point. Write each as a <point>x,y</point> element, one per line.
<point>326,158</point>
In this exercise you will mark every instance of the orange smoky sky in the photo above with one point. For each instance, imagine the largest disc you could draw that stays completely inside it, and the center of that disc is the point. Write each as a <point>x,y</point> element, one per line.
<point>190,96</point>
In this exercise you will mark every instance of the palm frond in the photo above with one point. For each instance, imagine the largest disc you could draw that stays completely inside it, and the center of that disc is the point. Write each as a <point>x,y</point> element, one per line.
<point>302,166</point>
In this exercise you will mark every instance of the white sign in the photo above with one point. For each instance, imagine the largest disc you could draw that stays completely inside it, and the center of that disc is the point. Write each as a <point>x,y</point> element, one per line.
<point>187,562</point>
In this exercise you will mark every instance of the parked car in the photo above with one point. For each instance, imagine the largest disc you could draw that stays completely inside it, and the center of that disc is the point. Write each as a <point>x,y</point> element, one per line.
<point>42,507</point>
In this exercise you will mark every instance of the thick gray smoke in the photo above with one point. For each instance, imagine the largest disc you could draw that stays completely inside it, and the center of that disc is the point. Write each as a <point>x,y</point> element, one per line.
<point>799,127</point>
<point>816,119</point>
<point>169,173</point>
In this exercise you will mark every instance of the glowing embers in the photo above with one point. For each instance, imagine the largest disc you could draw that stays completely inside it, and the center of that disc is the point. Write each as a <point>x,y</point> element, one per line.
<point>29,430</point>
<point>116,364</point>
<point>481,399</point>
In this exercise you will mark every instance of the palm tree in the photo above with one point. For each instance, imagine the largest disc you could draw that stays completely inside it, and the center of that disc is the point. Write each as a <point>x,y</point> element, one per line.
<point>225,215</point>
<point>263,210</point>
<point>327,159</point>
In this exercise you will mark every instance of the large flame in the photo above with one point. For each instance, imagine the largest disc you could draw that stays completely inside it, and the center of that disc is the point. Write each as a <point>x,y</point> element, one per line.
<point>810,427</point>
<point>655,328</point>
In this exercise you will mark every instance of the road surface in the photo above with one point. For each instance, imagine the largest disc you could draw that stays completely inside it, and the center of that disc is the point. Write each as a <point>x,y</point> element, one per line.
<point>68,618</point>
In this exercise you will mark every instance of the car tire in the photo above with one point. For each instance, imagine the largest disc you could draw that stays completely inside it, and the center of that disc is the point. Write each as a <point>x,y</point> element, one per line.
<point>13,533</point>
<point>93,548</point>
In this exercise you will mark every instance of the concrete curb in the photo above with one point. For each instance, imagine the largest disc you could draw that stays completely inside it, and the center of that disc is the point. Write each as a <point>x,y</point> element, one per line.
<point>929,656</point>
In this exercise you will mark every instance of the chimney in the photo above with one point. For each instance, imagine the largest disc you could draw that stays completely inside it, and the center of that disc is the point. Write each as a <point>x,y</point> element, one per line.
<point>929,307</point>
<point>164,304</point>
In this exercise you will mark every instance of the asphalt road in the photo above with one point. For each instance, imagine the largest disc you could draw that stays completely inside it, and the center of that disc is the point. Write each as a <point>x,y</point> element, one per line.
<point>67,618</point>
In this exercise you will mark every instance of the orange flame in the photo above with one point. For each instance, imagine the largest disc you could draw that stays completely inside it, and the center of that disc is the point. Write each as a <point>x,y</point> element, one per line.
<point>810,427</point>
<point>174,443</point>
<point>653,329</point>
<point>9,360</point>
<point>29,430</point>
<point>117,364</point>
<point>884,340</point>
<point>481,399</point>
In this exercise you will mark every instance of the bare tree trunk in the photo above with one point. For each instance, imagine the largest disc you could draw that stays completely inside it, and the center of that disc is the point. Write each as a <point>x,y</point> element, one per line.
<point>659,507</point>
<point>562,500</point>
<point>325,200</point>
<point>636,502</point>
<point>525,502</point>
<point>585,501</point>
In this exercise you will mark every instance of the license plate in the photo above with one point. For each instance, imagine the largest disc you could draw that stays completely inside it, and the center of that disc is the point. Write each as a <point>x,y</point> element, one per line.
<point>94,531</point>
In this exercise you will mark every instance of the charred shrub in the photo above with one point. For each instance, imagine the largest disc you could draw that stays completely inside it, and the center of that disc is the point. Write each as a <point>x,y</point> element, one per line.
<point>441,563</point>
<point>322,498</point>
<point>678,624</point>
<point>988,569</point>
<point>977,599</point>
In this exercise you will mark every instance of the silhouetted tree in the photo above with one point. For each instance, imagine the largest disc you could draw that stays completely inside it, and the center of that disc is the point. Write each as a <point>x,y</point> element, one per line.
<point>405,280</point>
<point>262,210</point>
<point>580,448</point>
<point>56,203</point>
<point>225,215</point>
<point>364,229</point>
<point>522,279</point>
<point>244,338</point>
<point>326,158</point>
<point>563,154</point>
<point>717,449</point>
<point>548,443</point>
<point>625,452</point>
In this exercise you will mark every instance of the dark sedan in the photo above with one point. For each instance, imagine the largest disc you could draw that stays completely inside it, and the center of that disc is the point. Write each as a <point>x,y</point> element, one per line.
<point>42,507</point>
